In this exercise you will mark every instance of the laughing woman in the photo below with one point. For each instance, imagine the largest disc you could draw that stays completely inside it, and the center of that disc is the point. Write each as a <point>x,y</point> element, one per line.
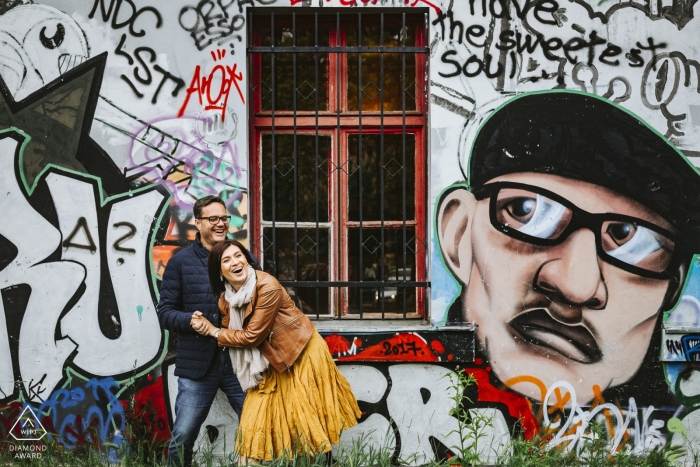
<point>297,399</point>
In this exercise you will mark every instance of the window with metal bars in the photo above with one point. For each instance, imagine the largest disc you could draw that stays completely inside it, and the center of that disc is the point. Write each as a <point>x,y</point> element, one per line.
<point>338,157</point>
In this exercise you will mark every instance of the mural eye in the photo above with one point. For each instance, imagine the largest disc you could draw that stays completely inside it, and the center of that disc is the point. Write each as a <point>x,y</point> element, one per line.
<point>521,209</point>
<point>621,232</point>
<point>56,40</point>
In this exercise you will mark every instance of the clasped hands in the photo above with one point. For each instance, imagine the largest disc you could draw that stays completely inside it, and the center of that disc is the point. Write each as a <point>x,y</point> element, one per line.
<point>202,325</point>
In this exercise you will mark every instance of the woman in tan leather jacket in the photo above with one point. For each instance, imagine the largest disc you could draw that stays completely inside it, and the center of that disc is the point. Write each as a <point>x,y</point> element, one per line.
<point>298,401</point>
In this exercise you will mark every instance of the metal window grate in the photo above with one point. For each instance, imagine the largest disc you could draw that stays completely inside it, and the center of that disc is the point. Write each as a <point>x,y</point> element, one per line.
<point>339,160</point>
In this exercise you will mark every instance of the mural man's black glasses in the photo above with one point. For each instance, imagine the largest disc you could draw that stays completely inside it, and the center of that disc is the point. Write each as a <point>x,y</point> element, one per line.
<point>540,217</point>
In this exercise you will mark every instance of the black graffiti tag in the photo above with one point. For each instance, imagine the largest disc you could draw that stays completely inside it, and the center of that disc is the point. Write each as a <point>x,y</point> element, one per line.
<point>210,22</point>
<point>143,58</point>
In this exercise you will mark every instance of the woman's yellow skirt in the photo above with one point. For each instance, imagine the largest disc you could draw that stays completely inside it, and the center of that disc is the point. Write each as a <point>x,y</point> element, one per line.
<point>298,411</point>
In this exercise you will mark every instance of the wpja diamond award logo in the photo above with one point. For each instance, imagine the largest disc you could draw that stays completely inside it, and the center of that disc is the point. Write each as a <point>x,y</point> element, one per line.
<point>27,428</point>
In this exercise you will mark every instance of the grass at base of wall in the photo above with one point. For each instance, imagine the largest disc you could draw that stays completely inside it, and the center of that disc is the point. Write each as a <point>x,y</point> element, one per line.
<point>593,452</point>
<point>519,453</point>
<point>140,447</point>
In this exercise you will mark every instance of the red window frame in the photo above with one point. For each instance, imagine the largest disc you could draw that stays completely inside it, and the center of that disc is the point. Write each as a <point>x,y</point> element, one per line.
<point>339,122</point>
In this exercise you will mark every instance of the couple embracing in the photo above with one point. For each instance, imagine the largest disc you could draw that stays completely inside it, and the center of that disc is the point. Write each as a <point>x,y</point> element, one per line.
<point>240,331</point>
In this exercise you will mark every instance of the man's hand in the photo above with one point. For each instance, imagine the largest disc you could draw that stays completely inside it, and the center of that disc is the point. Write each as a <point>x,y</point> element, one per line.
<point>202,325</point>
<point>196,321</point>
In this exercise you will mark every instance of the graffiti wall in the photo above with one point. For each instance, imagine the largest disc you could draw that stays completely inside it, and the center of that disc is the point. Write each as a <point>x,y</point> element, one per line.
<point>556,110</point>
<point>563,209</point>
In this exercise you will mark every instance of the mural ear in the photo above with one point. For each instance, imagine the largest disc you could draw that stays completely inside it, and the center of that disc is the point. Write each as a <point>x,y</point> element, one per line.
<point>675,287</point>
<point>455,211</point>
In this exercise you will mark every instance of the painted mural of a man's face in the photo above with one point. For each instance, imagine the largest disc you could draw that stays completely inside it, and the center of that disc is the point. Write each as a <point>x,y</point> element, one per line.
<point>564,276</point>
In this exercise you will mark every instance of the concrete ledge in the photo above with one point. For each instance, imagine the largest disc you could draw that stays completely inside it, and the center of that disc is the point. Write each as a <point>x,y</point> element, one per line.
<point>383,343</point>
<point>334,325</point>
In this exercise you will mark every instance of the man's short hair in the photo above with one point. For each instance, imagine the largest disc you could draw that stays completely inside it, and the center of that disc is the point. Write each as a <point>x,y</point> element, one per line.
<point>201,203</point>
<point>586,137</point>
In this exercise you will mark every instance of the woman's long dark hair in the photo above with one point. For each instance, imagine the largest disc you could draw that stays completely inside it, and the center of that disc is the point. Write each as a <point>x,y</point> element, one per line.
<point>214,264</point>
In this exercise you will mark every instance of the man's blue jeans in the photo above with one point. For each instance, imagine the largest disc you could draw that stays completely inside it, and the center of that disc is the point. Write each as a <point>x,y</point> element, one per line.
<point>194,399</point>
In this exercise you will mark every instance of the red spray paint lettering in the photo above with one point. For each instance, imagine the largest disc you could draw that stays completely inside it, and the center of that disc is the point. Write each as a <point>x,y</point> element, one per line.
<point>213,90</point>
<point>411,3</point>
<point>403,347</point>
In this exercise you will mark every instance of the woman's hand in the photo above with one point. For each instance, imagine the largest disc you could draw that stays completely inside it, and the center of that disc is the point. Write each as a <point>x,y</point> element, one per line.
<point>202,325</point>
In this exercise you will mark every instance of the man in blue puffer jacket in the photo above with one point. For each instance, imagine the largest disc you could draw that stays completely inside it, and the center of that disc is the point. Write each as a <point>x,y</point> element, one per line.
<point>201,366</point>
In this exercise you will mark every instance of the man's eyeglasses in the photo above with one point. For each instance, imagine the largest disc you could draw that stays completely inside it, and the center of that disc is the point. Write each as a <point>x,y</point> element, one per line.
<point>537,216</point>
<point>216,219</point>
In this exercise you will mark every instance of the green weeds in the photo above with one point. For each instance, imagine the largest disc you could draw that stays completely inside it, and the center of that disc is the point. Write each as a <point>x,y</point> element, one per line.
<point>594,452</point>
<point>141,447</point>
<point>472,425</point>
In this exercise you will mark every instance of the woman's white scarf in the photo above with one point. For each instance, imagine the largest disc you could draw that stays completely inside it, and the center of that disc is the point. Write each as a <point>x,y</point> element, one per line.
<point>248,363</point>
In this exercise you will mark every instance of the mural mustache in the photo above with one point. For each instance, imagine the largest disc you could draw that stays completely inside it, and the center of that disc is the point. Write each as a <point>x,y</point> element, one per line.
<point>574,341</point>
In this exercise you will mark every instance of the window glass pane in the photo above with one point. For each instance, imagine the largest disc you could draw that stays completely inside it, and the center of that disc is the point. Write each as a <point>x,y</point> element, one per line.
<point>394,269</point>
<point>310,267</point>
<point>310,196</point>
<point>306,91</point>
<point>370,64</point>
<point>372,169</point>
